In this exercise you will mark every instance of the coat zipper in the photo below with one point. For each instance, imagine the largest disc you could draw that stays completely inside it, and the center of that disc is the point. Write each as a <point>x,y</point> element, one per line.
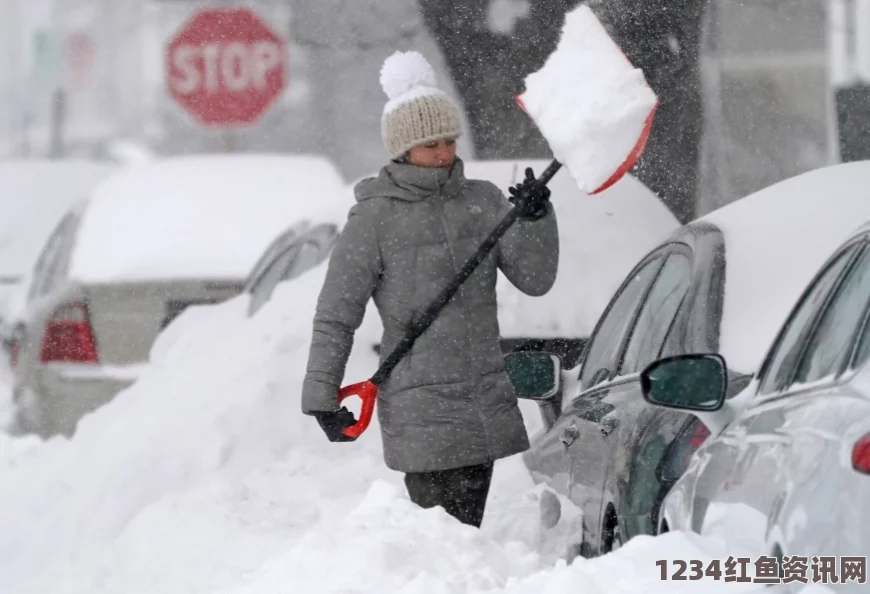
<point>461,301</point>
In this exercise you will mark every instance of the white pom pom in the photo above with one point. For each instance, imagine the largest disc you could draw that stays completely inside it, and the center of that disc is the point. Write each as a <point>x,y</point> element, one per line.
<point>403,71</point>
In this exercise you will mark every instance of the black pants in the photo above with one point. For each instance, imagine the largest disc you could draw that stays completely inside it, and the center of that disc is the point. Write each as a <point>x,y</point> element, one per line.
<point>462,491</point>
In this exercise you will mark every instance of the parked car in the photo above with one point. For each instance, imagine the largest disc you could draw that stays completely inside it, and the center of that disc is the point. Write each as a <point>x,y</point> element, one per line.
<point>34,195</point>
<point>150,242</point>
<point>707,287</point>
<point>788,469</point>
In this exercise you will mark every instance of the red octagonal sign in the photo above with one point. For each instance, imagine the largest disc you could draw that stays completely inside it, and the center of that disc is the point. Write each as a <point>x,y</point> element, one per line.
<point>226,66</point>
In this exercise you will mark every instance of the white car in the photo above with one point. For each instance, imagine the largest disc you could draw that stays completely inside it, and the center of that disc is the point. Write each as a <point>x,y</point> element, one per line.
<point>150,241</point>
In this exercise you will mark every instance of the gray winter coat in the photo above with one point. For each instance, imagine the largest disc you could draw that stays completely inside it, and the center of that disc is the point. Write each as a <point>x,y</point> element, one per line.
<point>448,403</point>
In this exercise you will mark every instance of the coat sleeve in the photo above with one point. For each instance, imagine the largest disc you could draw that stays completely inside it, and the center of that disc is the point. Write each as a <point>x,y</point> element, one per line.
<point>529,252</point>
<point>352,275</point>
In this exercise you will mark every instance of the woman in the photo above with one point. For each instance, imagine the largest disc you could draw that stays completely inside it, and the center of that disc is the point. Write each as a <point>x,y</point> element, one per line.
<point>448,410</point>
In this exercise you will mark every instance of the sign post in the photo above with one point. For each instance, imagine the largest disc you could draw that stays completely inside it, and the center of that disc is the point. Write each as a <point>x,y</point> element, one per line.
<point>226,66</point>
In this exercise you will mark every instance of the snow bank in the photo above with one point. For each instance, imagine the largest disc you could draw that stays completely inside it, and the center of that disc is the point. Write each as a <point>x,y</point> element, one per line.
<point>593,107</point>
<point>204,477</point>
<point>214,215</point>
<point>205,469</point>
<point>775,241</point>
<point>600,240</point>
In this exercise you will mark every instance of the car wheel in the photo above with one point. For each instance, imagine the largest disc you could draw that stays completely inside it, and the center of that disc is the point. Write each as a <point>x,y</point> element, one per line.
<point>580,549</point>
<point>612,534</point>
<point>664,528</point>
<point>778,554</point>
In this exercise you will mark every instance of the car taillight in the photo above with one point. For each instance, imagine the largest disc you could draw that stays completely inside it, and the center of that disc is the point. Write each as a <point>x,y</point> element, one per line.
<point>69,337</point>
<point>699,436</point>
<point>861,455</point>
<point>680,453</point>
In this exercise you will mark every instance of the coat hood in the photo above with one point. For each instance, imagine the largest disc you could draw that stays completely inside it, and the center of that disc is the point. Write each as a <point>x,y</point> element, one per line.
<point>411,183</point>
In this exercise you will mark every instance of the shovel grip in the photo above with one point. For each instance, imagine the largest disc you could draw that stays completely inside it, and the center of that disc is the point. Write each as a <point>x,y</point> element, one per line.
<point>368,393</point>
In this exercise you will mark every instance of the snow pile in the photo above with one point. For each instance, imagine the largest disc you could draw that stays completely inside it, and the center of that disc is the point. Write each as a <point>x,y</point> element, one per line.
<point>214,215</point>
<point>593,107</point>
<point>600,240</point>
<point>775,242</point>
<point>204,477</point>
<point>204,469</point>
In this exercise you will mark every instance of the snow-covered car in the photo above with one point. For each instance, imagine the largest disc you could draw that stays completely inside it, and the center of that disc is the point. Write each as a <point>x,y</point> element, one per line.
<point>722,284</point>
<point>149,242</point>
<point>786,473</point>
<point>34,196</point>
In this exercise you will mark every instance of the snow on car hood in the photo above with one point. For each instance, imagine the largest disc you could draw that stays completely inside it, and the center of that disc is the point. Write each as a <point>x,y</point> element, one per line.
<point>600,239</point>
<point>200,217</point>
<point>775,242</point>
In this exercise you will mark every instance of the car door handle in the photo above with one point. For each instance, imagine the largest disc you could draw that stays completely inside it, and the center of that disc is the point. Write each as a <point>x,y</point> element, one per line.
<point>608,424</point>
<point>569,435</point>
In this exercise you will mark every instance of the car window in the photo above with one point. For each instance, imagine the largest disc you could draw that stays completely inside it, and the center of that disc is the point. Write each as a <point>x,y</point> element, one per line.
<point>52,258</point>
<point>788,346</point>
<point>657,314</point>
<point>831,340</point>
<point>264,286</point>
<point>310,255</point>
<point>277,247</point>
<point>602,354</point>
<point>862,352</point>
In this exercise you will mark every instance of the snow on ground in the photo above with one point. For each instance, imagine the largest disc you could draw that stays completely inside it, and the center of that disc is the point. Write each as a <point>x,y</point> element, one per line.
<point>204,477</point>
<point>205,469</point>
<point>201,481</point>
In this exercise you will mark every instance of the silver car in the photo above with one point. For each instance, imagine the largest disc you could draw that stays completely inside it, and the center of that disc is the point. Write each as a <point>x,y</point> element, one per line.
<point>151,242</point>
<point>788,473</point>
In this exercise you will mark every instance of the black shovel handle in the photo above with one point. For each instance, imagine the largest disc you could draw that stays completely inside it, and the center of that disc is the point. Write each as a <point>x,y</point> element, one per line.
<point>422,322</point>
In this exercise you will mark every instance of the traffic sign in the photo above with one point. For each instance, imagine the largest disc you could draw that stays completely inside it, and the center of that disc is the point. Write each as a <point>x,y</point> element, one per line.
<point>226,66</point>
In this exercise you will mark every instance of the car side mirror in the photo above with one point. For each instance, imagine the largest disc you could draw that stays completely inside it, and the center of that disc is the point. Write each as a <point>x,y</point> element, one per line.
<point>687,382</point>
<point>534,375</point>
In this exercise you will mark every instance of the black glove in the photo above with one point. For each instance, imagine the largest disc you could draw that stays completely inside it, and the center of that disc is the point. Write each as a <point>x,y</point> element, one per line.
<point>333,422</point>
<point>530,197</point>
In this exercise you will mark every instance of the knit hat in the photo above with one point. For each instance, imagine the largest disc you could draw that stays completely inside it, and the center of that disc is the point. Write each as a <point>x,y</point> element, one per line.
<point>417,111</point>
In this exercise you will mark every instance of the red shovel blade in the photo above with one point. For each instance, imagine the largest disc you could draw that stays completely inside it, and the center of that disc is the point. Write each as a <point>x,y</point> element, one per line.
<point>633,156</point>
<point>368,393</point>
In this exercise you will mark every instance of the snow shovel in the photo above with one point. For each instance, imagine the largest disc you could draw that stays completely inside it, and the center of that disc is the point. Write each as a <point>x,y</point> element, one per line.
<point>595,110</point>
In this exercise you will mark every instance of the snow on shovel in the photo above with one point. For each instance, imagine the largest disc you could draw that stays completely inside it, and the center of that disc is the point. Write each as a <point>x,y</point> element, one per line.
<point>595,110</point>
<point>593,107</point>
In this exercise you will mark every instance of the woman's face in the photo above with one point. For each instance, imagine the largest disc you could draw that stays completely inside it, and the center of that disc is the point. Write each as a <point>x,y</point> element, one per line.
<point>438,153</point>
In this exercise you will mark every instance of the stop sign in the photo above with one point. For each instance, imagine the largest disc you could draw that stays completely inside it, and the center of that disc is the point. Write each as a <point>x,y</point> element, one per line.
<point>225,66</point>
